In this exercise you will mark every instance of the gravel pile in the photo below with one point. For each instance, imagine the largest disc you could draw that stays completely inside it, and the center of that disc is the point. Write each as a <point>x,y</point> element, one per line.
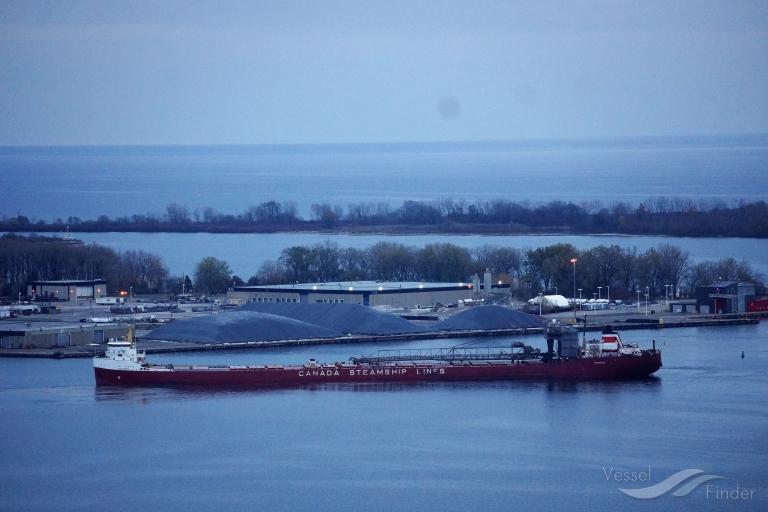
<point>239,326</point>
<point>345,318</point>
<point>290,321</point>
<point>488,317</point>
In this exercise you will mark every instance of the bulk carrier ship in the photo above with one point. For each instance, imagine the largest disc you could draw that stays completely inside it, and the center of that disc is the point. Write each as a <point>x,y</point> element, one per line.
<point>566,358</point>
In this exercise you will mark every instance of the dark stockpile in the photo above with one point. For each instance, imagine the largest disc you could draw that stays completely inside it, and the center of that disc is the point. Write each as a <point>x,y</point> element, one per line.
<point>345,318</point>
<point>291,321</point>
<point>239,326</point>
<point>488,317</point>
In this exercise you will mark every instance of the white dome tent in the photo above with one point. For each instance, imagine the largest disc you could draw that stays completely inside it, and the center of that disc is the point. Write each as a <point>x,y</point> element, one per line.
<point>551,301</point>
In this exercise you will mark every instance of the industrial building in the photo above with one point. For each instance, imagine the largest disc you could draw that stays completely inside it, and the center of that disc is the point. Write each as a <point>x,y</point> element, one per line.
<point>367,293</point>
<point>724,297</point>
<point>486,286</point>
<point>56,334</point>
<point>68,290</point>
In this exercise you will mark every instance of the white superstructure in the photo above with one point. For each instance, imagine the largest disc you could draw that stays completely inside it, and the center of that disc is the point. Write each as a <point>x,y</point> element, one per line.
<point>121,355</point>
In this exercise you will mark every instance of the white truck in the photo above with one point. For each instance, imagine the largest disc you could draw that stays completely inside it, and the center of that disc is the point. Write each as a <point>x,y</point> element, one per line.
<point>109,301</point>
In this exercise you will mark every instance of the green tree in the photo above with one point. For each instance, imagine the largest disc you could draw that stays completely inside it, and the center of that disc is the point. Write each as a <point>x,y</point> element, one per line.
<point>501,260</point>
<point>270,272</point>
<point>392,261</point>
<point>212,275</point>
<point>443,262</point>
<point>324,261</point>
<point>549,267</point>
<point>296,260</point>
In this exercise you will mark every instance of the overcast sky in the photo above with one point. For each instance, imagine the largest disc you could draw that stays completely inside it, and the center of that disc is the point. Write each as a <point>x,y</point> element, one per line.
<point>198,72</point>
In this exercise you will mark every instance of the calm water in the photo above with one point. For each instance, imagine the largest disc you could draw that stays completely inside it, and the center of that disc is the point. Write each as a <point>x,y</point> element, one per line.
<point>182,251</point>
<point>46,183</point>
<point>443,447</point>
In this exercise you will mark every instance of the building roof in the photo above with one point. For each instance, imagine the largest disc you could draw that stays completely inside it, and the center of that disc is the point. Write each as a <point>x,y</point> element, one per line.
<point>70,282</point>
<point>351,287</point>
<point>20,327</point>
<point>722,284</point>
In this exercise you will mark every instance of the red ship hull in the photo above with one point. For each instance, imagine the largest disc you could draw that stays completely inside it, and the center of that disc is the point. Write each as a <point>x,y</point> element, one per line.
<point>615,367</point>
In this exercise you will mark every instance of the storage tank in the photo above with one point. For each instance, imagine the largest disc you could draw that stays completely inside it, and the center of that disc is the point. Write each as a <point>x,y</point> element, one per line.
<point>567,339</point>
<point>487,282</point>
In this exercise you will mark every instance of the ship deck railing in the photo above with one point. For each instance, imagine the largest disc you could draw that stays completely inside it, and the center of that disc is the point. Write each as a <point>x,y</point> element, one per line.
<point>448,355</point>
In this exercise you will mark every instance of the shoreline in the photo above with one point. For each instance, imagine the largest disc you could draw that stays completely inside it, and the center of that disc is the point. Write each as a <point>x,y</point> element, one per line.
<point>468,230</point>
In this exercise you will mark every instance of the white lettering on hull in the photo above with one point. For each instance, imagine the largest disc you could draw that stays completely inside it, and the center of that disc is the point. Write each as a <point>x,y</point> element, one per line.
<point>369,372</point>
<point>372,372</point>
<point>430,371</point>
<point>330,372</point>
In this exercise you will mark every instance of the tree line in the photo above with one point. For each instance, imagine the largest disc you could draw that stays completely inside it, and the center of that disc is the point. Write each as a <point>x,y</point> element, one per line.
<point>546,269</point>
<point>663,216</point>
<point>25,259</point>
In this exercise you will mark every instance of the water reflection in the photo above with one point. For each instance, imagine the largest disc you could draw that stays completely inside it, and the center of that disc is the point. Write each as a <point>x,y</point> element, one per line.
<point>161,393</point>
<point>651,383</point>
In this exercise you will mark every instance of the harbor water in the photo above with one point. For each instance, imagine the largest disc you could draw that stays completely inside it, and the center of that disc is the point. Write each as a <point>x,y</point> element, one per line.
<point>443,446</point>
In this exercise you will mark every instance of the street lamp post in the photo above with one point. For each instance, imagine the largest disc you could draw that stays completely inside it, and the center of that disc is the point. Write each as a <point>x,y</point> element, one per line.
<point>599,291</point>
<point>540,301</point>
<point>609,293</point>
<point>646,301</point>
<point>573,261</point>
<point>638,301</point>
